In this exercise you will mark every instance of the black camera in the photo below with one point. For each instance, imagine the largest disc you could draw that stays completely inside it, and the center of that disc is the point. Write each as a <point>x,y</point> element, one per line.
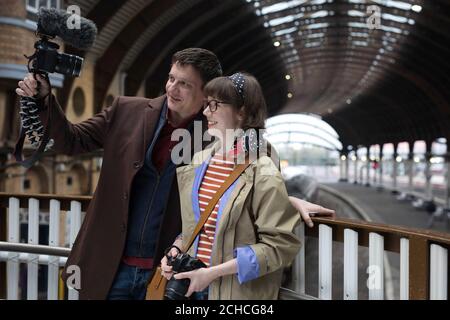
<point>73,29</point>
<point>48,59</point>
<point>183,262</point>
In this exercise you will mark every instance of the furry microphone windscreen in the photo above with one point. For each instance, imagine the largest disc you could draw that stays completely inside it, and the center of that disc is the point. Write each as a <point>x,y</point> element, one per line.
<point>54,22</point>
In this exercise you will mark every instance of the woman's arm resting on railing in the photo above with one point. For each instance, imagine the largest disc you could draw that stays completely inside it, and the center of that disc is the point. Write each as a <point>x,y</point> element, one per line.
<point>308,209</point>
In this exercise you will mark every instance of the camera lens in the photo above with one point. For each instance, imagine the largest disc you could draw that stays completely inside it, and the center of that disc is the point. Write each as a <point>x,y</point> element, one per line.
<point>69,64</point>
<point>183,262</point>
<point>176,289</point>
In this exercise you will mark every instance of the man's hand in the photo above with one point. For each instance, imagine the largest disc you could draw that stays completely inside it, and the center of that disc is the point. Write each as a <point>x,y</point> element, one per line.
<point>308,210</point>
<point>200,279</point>
<point>166,270</point>
<point>29,87</point>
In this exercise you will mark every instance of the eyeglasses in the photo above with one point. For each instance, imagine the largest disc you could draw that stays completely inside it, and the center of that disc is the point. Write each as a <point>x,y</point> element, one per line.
<point>212,104</point>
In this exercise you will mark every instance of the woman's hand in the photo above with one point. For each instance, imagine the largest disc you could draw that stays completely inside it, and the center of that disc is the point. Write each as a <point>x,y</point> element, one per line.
<point>200,279</point>
<point>308,210</point>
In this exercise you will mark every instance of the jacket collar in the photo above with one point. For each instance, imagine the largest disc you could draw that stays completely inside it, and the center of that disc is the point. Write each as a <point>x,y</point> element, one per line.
<point>157,103</point>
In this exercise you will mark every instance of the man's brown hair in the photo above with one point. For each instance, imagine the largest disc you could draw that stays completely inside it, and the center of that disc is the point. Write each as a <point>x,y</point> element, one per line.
<point>204,61</point>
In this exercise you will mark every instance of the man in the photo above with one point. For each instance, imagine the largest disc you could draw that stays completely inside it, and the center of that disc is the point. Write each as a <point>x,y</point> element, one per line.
<point>134,214</point>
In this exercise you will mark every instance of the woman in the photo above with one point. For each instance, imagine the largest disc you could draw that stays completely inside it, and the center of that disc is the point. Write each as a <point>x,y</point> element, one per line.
<point>248,239</point>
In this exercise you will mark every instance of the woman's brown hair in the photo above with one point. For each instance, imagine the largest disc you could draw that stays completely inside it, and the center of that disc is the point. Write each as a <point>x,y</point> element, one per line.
<point>252,99</point>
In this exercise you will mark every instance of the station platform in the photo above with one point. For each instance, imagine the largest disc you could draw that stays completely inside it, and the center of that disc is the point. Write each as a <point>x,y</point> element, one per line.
<point>382,206</point>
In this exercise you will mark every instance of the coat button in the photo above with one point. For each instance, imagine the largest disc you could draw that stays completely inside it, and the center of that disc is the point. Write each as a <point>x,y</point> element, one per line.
<point>125,196</point>
<point>136,164</point>
<point>124,227</point>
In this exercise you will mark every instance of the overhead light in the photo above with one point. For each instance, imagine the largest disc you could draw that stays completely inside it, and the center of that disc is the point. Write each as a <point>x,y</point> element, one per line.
<point>398,159</point>
<point>436,160</point>
<point>354,158</point>
<point>416,8</point>
<point>343,157</point>
<point>277,43</point>
<point>288,77</point>
<point>289,95</point>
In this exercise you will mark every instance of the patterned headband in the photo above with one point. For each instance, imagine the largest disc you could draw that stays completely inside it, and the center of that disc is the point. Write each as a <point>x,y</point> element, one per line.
<point>238,82</point>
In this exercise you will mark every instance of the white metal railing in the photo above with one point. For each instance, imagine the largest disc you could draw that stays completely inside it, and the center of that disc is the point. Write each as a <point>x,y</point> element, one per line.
<point>423,254</point>
<point>415,271</point>
<point>15,258</point>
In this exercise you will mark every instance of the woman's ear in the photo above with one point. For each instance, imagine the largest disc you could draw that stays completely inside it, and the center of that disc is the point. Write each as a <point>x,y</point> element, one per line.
<point>241,113</point>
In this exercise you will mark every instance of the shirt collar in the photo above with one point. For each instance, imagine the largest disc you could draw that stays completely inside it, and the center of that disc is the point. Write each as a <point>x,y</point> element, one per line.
<point>183,124</point>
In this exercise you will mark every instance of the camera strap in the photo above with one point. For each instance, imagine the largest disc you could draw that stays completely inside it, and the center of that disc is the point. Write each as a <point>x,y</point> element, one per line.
<point>210,207</point>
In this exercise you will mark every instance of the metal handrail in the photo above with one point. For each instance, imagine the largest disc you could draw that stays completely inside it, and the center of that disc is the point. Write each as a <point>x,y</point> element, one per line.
<point>385,229</point>
<point>392,232</point>
<point>35,249</point>
<point>44,200</point>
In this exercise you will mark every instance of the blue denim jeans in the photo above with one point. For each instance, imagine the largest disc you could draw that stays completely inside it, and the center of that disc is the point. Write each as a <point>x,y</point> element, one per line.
<point>130,283</point>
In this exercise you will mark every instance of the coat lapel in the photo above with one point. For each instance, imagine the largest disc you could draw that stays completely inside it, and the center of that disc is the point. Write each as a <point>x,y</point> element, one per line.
<point>151,117</point>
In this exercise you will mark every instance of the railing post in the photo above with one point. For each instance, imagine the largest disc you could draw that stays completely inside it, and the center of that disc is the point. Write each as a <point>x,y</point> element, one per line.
<point>53,261</point>
<point>75,223</point>
<point>12,266</point>
<point>33,238</point>
<point>376,267</point>
<point>299,277</point>
<point>438,272</point>
<point>418,268</point>
<point>350,265</point>
<point>404,269</point>
<point>3,237</point>
<point>325,261</point>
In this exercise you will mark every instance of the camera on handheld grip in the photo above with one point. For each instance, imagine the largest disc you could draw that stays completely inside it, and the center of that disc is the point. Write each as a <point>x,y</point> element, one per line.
<point>52,23</point>
<point>47,59</point>
<point>183,262</point>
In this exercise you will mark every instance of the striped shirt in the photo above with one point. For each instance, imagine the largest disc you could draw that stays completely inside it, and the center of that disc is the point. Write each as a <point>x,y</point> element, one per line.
<point>218,171</point>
